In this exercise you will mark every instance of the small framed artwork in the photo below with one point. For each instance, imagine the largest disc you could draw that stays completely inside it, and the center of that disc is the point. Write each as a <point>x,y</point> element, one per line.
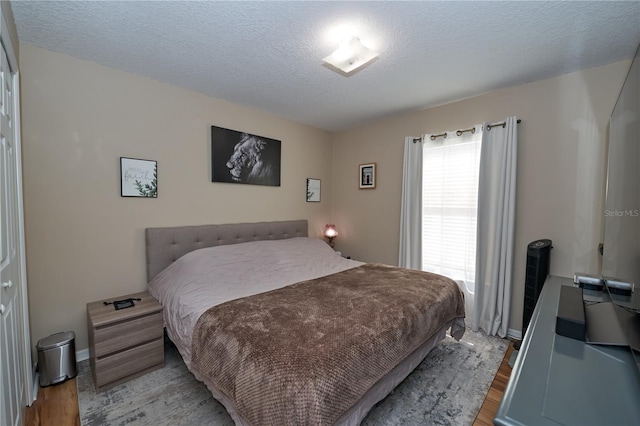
<point>313,190</point>
<point>138,178</point>
<point>367,176</point>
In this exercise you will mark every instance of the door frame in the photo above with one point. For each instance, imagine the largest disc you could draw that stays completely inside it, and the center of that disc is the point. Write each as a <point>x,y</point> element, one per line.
<point>30,388</point>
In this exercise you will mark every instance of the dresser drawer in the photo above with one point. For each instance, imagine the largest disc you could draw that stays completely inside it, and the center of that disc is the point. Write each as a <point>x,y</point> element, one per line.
<point>123,335</point>
<point>126,363</point>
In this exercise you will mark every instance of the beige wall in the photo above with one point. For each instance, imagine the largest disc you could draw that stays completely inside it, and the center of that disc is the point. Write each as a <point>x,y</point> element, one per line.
<point>85,242</point>
<point>561,170</point>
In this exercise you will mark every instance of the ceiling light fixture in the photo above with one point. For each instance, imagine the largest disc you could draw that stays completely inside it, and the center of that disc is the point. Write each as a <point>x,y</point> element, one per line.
<point>351,56</point>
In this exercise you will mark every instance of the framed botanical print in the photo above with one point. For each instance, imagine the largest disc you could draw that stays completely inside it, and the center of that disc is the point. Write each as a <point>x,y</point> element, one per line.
<point>313,190</point>
<point>138,178</point>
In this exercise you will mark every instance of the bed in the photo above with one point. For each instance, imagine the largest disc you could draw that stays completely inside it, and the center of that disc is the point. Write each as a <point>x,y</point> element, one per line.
<point>283,330</point>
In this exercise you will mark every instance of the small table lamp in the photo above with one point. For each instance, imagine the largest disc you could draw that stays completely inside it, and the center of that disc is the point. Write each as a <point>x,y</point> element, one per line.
<point>330,233</point>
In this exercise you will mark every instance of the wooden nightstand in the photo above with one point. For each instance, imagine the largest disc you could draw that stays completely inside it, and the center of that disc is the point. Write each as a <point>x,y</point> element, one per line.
<point>124,343</point>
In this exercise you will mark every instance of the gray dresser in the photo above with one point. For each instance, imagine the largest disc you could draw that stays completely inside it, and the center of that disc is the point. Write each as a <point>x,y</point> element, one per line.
<point>561,381</point>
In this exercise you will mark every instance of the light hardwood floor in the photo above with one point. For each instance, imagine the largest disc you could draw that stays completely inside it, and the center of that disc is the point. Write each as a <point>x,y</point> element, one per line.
<point>58,405</point>
<point>494,396</point>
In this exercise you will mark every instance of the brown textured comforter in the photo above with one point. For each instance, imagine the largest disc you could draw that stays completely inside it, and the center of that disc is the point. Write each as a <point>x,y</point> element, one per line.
<point>304,354</point>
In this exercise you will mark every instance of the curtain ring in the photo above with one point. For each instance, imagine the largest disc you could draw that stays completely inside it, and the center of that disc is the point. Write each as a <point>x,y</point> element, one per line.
<point>460,132</point>
<point>434,137</point>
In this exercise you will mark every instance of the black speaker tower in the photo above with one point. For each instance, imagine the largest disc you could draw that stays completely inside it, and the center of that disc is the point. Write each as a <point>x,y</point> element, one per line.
<point>538,256</point>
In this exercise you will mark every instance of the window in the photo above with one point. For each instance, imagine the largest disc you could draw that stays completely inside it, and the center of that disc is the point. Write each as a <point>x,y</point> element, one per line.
<point>450,206</point>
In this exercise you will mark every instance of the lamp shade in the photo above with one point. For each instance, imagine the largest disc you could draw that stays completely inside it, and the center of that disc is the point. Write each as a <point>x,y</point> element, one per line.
<point>330,231</point>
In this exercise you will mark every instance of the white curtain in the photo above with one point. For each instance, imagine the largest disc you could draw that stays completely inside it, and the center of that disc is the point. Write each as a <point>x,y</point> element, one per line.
<point>410,253</point>
<point>496,219</point>
<point>449,208</point>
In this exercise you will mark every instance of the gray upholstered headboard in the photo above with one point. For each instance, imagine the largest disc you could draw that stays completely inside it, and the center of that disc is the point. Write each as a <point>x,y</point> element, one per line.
<point>166,245</point>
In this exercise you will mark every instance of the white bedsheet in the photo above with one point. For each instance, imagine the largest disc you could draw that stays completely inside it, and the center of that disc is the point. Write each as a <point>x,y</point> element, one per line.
<point>211,276</point>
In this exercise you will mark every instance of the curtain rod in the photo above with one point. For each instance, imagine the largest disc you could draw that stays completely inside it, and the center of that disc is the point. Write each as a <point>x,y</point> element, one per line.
<point>460,132</point>
<point>504,123</point>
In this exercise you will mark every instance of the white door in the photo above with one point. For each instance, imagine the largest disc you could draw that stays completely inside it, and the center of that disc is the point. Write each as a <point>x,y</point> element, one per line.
<point>12,294</point>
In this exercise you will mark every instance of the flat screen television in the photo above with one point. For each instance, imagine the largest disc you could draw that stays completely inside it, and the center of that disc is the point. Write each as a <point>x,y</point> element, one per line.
<point>621,248</point>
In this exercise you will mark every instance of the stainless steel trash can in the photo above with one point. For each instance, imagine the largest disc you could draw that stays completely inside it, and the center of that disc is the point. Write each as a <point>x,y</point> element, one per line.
<point>57,358</point>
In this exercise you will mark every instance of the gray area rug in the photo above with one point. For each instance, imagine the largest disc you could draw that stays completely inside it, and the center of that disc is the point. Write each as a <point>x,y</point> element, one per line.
<point>447,388</point>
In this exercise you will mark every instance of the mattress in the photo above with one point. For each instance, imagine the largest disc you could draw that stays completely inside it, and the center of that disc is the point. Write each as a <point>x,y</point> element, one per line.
<point>211,276</point>
<point>216,276</point>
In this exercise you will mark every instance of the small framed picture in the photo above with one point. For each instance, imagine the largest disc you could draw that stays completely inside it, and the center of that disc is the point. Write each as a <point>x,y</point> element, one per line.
<point>367,176</point>
<point>138,178</point>
<point>313,190</point>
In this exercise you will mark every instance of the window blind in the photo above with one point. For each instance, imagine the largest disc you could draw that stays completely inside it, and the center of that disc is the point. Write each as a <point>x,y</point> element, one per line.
<point>449,207</point>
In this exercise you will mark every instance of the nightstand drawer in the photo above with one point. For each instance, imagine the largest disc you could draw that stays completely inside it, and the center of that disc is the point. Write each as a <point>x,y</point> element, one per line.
<point>115,337</point>
<point>131,361</point>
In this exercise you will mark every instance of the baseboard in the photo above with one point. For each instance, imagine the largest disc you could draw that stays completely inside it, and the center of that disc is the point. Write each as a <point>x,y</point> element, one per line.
<point>82,355</point>
<point>36,387</point>
<point>514,334</point>
<point>36,382</point>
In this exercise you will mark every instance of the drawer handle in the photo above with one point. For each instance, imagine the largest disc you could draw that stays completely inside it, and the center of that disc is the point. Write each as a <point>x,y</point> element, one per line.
<point>1,309</point>
<point>7,284</point>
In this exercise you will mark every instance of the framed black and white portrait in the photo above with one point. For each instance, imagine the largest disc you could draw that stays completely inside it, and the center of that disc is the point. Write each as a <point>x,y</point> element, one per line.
<point>367,176</point>
<point>239,157</point>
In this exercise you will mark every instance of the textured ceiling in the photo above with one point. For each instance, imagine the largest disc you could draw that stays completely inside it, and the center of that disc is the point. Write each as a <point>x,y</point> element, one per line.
<point>268,55</point>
